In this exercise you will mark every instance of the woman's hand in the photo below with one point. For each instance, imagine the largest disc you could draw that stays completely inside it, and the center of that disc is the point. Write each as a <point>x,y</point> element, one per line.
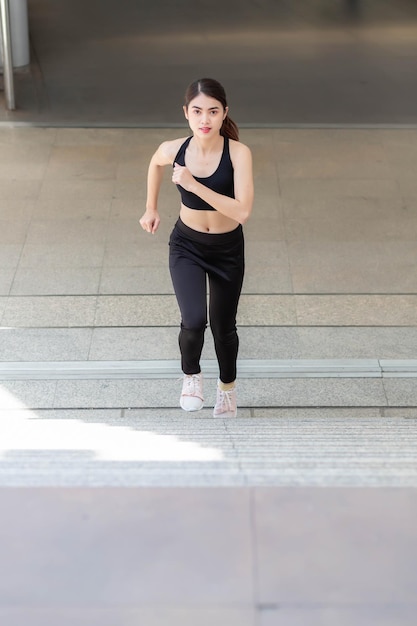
<point>182,176</point>
<point>150,221</point>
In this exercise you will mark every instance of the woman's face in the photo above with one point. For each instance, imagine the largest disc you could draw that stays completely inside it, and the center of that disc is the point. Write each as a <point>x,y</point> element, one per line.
<point>205,115</point>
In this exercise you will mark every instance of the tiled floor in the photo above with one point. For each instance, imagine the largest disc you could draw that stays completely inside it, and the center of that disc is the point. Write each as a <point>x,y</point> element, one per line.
<point>239,556</point>
<point>70,225</point>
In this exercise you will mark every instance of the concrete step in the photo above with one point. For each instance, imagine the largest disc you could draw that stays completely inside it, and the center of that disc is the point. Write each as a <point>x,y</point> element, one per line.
<point>170,448</point>
<point>247,368</point>
<point>265,342</point>
<point>266,309</point>
<point>147,384</point>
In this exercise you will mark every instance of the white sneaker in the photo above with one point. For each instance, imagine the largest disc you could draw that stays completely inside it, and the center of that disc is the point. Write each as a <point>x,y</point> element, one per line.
<point>192,392</point>
<point>226,403</point>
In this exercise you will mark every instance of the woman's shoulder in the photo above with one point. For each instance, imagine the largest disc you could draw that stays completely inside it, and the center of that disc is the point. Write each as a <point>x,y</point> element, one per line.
<point>169,149</point>
<point>239,150</point>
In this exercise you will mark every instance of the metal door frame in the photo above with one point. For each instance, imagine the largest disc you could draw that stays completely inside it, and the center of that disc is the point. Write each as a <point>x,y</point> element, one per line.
<point>6,46</point>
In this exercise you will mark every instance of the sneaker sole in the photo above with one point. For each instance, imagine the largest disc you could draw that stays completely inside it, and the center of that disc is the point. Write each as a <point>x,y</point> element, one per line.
<point>226,414</point>
<point>191,410</point>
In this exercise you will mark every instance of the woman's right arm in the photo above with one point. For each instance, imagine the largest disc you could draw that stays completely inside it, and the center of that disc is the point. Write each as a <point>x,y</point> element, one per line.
<point>163,156</point>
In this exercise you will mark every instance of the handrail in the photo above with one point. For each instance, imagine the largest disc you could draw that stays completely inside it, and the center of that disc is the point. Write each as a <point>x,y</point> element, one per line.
<point>7,54</point>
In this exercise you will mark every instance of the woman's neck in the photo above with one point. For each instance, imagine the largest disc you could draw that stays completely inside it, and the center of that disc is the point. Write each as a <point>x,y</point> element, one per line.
<point>206,146</point>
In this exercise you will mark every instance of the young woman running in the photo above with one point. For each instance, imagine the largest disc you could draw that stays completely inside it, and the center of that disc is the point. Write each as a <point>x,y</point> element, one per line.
<point>213,173</point>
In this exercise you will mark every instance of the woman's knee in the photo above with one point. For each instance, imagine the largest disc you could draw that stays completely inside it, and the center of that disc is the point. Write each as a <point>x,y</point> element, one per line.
<point>225,336</point>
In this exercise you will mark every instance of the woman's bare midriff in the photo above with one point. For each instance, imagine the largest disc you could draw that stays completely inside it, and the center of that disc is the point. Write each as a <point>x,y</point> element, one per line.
<point>207,221</point>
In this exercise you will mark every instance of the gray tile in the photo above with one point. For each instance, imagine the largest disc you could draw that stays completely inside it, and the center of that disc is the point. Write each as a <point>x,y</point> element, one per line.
<point>17,202</point>
<point>108,416</point>
<point>336,546</point>
<point>82,162</point>
<point>361,310</point>
<point>148,310</point>
<point>312,392</point>
<point>136,544</point>
<point>280,392</point>
<point>74,199</point>
<point>24,161</point>
<point>267,310</point>
<point>46,344</point>
<point>349,228</point>
<point>134,343</point>
<point>267,267</point>
<point>91,137</point>
<point>402,413</point>
<point>3,304</point>
<point>319,413</point>
<point>401,391</point>
<point>162,342</point>
<point>83,230</point>
<point>381,615</point>
<point>175,419</point>
<point>259,280</point>
<point>129,196</point>
<point>56,280</point>
<point>128,230</point>
<point>402,154</point>
<point>398,137</point>
<point>6,281</point>
<point>10,255</point>
<point>116,393</point>
<point>330,165</point>
<point>264,228</point>
<point>45,311</point>
<point>353,267</point>
<point>133,163</point>
<point>27,394</point>
<point>73,243</point>
<point>348,342</point>
<point>269,342</point>
<point>13,231</point>
<point>407,183</point>
<point>358,209</point>
<point>306,188</point>
<point>289,142</point>
<point>68,255</point>
<point>266,252</point>
<point>127,246</point>
<point>267,208</point>
<point>159,421</point>
<point>151,616</point>
<point>136,280</point>
<point>27,135</point>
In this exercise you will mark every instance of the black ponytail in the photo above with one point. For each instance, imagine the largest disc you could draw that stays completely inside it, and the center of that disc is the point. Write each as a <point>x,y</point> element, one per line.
<point>229,129</point>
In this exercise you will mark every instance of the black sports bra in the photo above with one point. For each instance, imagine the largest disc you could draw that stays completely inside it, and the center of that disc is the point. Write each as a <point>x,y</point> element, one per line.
<point>221,181</point>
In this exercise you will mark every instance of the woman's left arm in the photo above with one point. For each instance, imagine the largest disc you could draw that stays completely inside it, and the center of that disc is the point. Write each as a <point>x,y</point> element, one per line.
<point>238,208</point>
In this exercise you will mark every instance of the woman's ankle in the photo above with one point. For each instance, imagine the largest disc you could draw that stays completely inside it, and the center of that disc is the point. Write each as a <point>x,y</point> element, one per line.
<point>226,386</point>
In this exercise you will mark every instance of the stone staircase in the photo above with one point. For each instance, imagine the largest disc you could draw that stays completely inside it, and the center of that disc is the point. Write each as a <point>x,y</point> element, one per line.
<point>104,351</point>
<point>89,391</point>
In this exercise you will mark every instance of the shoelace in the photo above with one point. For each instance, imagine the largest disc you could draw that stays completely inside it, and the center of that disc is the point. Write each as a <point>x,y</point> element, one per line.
<point>226,400</point>
<point>192,385</point>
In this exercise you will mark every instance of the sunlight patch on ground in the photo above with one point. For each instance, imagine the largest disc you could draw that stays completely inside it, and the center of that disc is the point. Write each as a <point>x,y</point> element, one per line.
<point>25,431</point>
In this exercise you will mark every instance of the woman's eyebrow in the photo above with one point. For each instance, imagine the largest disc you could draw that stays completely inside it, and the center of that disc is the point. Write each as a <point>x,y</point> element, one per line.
<point>199,108</point>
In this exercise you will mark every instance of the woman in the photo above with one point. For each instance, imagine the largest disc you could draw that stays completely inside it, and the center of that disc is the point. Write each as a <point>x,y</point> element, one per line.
<point>213,173</point>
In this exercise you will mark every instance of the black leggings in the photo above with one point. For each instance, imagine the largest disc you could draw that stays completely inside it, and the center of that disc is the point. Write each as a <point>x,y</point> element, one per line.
<point>193,257</point>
